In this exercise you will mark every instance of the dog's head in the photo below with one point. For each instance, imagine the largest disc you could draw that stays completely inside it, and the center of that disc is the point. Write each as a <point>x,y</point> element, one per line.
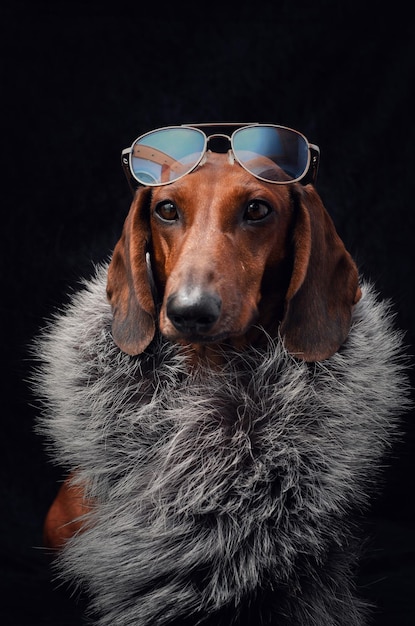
<point>214,254</point>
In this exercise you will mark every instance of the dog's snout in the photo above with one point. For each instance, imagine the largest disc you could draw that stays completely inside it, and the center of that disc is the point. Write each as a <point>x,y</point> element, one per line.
<point>193,311</point>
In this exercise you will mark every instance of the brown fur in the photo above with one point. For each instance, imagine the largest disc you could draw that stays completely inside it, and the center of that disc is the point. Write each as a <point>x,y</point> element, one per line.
<point>64,516</point>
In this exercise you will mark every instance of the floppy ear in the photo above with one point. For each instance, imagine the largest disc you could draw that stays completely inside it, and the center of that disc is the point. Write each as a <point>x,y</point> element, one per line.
<point>128,286</point>
<point>323,287</point>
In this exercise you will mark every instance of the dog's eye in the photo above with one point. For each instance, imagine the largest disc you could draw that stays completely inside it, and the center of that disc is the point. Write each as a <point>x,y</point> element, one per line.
<point>167,211</point>
<point>256,211</point>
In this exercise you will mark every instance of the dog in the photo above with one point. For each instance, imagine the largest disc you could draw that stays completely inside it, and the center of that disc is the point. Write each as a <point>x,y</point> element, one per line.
<point>231,256</point>
<point>225,269</point>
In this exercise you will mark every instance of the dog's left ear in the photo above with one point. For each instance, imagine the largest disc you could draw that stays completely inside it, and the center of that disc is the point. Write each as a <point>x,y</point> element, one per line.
<point>129,287</point>
<point>323,287</point>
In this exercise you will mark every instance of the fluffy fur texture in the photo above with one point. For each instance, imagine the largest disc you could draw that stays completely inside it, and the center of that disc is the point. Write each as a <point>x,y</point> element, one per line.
<point>223,497</point>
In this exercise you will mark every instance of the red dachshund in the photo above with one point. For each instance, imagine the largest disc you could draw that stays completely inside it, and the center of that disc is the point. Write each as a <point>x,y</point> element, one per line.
<point>231,256</point>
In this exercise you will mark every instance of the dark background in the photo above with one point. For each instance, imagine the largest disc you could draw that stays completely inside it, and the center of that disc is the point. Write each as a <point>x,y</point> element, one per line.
<point>79,82</point>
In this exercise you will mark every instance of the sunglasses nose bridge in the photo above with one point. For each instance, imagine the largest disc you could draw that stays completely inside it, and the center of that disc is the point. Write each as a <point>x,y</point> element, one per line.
<point>218,143</point>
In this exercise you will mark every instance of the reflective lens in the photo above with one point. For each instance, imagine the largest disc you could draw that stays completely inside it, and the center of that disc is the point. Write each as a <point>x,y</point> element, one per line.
<point>163,156</point>
<point>272,153</point>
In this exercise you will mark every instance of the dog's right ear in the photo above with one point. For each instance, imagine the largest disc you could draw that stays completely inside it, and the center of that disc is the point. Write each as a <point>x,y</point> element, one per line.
<point>128,287</point>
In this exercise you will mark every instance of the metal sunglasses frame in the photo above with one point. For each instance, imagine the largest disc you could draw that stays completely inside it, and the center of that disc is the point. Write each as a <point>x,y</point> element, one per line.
<point>309,174</point>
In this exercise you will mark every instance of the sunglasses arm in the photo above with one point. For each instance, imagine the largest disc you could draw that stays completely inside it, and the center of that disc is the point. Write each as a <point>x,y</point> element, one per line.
<point>314,161</point>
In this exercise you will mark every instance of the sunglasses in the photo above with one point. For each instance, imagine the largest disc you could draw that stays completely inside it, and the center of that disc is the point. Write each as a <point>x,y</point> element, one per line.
<point>274,154</point>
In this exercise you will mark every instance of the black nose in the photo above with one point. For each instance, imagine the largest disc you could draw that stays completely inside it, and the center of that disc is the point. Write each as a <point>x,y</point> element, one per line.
<point>193,311</point>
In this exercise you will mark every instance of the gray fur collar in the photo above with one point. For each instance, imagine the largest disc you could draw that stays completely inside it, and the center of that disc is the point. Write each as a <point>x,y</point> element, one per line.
<point>224,497</point>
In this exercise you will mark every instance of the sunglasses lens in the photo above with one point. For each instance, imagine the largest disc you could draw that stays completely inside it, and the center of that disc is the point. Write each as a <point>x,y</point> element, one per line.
<point>271,153</point>
<point>164,155</point>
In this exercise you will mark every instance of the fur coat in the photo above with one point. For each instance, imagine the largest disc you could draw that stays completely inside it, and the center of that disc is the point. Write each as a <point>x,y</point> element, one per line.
<point>222,498</point>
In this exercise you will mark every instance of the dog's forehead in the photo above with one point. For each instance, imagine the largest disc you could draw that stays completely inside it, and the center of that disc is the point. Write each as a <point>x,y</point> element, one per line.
<point>218,164</point>
<point>219,176</point>
<point>216,167</point>
<point>220,179</point>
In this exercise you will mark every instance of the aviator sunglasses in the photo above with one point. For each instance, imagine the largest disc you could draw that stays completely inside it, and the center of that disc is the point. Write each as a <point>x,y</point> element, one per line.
<point>274,154</point>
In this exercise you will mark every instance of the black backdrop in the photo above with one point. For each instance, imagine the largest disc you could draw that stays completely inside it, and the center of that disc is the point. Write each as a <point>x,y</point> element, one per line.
<point>78,84</point>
